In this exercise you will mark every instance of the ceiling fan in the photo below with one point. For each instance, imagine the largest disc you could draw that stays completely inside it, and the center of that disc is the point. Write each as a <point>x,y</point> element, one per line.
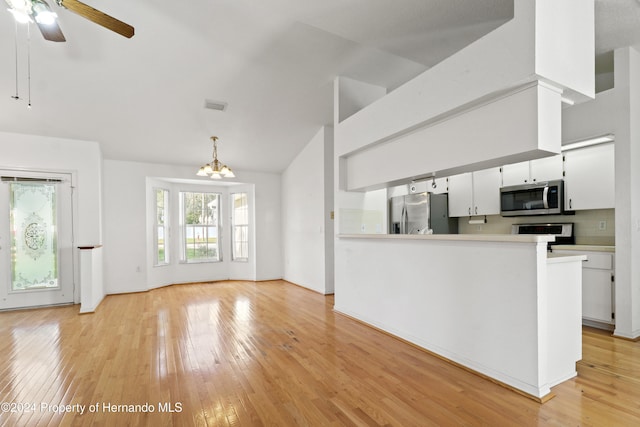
<point>40,12</point>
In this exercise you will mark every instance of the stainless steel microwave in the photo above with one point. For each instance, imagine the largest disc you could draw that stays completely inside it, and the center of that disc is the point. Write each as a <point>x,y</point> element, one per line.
<point>540,198</point>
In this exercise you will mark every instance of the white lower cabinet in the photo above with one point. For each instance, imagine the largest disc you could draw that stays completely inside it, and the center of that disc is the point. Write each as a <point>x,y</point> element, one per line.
<point>598,288</point>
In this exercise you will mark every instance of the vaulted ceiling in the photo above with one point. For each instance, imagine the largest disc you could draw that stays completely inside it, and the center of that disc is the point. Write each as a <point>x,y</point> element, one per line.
<point>272,61</point>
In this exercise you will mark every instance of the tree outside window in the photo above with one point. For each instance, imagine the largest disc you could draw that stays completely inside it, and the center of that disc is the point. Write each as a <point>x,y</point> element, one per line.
<point>200,227</point>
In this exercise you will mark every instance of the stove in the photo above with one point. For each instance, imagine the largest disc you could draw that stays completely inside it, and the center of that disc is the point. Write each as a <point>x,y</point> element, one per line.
<point>562,231</point>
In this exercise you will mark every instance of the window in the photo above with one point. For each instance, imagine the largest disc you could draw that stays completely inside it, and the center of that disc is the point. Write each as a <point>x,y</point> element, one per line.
<point>239,227</point>
<point>200,227</point>
<point>161,227</point>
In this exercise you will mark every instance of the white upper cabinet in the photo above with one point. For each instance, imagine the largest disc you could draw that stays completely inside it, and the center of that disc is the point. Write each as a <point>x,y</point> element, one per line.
<point>476,193</point>
<point>486,192</point>
<point>460,195</point>
<point>545,169</point>
<point>515,174</point>
<point>589,180</point>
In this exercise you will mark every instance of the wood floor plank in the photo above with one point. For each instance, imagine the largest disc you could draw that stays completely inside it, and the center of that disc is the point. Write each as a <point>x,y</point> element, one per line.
<point>240,353</point>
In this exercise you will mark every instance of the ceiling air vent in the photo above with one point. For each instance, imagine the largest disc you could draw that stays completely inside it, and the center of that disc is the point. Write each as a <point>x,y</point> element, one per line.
<point>215,105</point>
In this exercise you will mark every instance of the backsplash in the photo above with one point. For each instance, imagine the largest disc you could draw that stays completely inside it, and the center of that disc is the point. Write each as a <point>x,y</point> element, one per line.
<point>587,225</point>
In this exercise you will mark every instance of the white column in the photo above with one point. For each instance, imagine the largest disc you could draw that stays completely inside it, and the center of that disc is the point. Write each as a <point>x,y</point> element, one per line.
<point>627,280</point>
<point>91,283</point>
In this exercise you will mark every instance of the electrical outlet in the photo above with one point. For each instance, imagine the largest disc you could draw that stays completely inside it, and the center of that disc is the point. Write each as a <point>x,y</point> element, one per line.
<point>602,225</point>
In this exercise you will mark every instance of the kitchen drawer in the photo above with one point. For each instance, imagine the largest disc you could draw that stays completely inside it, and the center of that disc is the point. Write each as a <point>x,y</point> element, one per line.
<point>599,261</point>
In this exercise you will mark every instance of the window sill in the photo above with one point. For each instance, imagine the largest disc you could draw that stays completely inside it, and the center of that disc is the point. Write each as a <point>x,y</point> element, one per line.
<point>204,261</point>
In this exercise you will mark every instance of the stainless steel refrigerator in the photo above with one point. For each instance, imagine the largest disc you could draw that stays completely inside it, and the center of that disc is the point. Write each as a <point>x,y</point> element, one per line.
<point>421,213</point>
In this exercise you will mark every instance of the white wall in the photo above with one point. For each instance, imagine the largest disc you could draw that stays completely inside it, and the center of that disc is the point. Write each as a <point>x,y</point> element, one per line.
<point>590,119</point>
<point>354,212</point>
<point>83,160</point>
<point>307,202</point>
<point>329,221</point>
<point>268,226</point>
<point>352,96</point>
<point>241,270</point>
<point>125,245</point>
<point>127,251</point>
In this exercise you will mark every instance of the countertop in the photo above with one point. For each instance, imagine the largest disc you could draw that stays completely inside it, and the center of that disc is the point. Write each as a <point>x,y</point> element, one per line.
<point>553,258</point>
<point>586,248</point>
<point>513,238</point>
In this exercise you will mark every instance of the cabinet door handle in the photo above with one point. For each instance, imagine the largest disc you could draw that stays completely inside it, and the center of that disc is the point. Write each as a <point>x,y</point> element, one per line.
<point>476,210</point>
<point>469,210</point>
<point>569,203</point>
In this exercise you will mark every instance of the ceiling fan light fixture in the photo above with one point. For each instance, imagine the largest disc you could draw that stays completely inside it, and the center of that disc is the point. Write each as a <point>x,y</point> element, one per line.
<point>20,16</point>
<point>46,18</point>
<point>43,13</point>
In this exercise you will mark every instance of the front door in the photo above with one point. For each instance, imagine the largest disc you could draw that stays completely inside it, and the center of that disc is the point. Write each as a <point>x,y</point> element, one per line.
<point>36,243</point>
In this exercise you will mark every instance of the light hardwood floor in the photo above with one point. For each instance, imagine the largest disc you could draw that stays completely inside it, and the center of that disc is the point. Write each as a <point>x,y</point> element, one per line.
<point>273,354</point>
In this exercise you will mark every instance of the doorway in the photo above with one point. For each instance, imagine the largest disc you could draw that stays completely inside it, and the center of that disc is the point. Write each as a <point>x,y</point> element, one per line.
<point>36,239</point>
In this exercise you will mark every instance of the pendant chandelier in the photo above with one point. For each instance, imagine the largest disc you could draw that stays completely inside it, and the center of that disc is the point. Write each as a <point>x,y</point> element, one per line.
<point>215,169</point>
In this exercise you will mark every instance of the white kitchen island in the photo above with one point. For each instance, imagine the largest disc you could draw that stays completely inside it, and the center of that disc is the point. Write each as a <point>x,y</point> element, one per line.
<point>496,305</point>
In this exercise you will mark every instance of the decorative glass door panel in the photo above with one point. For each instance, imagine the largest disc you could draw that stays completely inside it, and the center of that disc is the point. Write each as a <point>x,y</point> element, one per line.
<point>36,255</point>
<point>33,227</point>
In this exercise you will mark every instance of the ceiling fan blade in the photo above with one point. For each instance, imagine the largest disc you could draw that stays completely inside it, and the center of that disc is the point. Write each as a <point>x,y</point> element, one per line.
<point>51,32</point>
<point>98,17</point>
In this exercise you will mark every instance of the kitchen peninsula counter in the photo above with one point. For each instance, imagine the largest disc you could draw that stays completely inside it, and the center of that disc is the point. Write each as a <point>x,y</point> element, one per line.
<point>495,304</point>
<point>521,238</point>
<point>585,248</point>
